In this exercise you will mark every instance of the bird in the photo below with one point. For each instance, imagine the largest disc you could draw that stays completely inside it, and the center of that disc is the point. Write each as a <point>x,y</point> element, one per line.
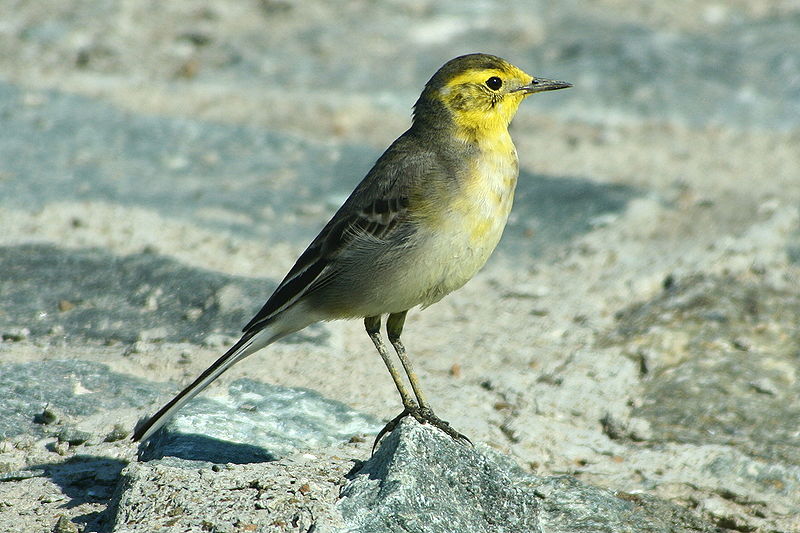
<point>422,223</point>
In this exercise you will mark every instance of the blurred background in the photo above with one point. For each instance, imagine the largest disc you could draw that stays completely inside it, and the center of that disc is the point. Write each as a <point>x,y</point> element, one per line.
<point>162,164</point>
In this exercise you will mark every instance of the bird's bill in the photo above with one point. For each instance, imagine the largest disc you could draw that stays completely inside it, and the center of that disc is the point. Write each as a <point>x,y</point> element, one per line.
<point>538,85</point>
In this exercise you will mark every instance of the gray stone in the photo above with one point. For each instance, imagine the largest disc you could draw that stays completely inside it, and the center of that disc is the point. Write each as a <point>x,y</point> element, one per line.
<point>65,526</point>
<point>72,388</point>
<point>701,387</point>
<point>73,435</point>
<point>179,495</point>
<point>256,422</point>
<point>421,481</point>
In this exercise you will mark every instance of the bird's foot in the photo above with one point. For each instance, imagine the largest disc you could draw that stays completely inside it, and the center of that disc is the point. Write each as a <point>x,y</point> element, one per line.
<point>423,415</point>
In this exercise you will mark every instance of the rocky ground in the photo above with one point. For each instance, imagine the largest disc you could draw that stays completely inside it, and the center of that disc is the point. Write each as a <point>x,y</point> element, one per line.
<point>632,343</point>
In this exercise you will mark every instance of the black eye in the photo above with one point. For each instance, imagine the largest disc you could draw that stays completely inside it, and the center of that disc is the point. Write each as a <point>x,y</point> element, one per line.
<point>494,83</point>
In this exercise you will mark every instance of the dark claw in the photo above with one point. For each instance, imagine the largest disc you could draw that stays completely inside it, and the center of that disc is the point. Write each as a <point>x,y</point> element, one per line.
<point>388,428</point>
<point>423,416</point>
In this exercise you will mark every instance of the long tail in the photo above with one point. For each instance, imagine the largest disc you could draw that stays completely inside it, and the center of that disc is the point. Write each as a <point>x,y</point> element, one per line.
<point>250,342</point>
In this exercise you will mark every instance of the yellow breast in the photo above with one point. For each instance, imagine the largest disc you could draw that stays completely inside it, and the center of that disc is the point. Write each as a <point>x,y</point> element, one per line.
<point>489,195</point>
<point>467,231</point>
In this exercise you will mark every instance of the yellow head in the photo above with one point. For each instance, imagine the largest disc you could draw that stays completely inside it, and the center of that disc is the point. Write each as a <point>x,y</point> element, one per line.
<point>479,94</point>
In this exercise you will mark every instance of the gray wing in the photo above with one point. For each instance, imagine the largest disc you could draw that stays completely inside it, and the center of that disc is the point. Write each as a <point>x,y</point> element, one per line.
<point>378,209</point>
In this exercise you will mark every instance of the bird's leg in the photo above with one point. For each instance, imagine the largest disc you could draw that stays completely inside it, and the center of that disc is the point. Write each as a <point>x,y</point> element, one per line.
<point>373,326</point>
<point>423,414</point>
<point>394,328</point>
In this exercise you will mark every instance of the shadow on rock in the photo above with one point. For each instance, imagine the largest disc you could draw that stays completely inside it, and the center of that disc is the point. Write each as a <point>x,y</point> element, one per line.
<point>86,479</point>
<point>550,211</point>
<point>202,448</point>
<point>94,294</point>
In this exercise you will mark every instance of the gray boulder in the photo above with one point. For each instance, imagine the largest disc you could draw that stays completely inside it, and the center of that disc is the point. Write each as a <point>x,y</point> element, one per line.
<point>419,480</point>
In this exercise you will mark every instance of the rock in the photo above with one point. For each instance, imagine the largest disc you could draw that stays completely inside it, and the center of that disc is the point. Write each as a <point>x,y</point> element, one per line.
<point>73,435</point>
<point>33,393</point>
<point>180,495</point>
<point>64,526</point>
<point>47,416</point>
<point>16,334</point>
<point>706,389</point>
<point>256,422</point>
<point>118,432</point>
<point>419,481</point>
<point>152,334</point>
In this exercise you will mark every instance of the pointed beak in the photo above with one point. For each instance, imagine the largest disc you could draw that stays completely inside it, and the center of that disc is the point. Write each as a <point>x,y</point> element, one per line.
<point>538,85</point>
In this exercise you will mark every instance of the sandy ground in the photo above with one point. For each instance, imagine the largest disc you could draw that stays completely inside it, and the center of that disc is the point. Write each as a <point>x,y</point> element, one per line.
<point>217,140</point>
